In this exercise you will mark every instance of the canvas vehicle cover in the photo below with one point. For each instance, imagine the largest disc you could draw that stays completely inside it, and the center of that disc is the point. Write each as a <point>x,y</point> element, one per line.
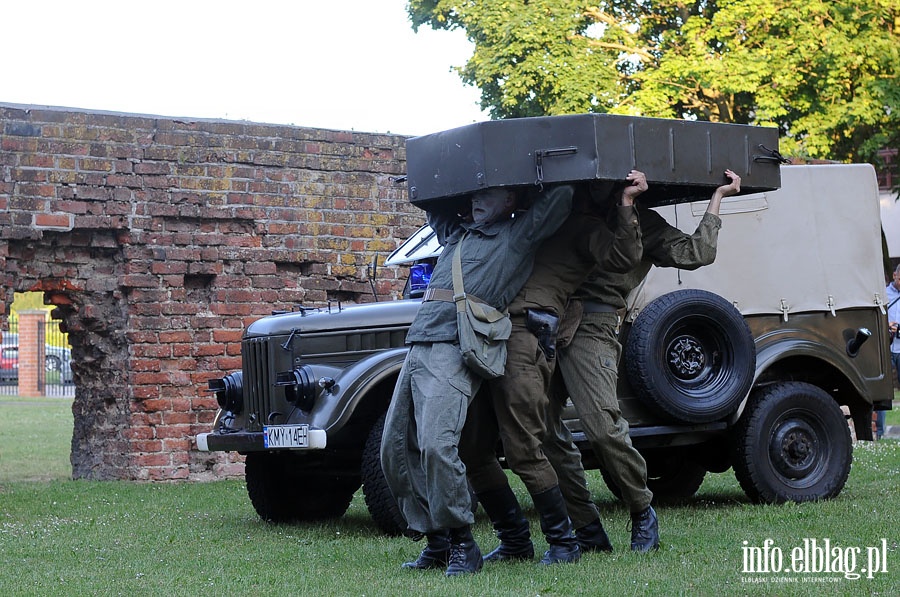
<point>780,252</point>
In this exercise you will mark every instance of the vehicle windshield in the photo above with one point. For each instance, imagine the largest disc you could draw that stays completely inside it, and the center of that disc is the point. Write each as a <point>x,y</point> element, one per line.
<point>420,246</point>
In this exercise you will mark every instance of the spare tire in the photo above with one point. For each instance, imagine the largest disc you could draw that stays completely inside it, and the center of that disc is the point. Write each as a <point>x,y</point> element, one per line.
<point>691,356</point>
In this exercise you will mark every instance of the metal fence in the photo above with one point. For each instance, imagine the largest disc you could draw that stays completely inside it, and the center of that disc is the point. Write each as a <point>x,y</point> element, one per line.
<point>55,377</point>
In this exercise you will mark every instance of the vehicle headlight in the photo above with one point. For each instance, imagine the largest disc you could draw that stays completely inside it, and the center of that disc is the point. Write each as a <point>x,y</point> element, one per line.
<point>299,387</point>
<point>229,391</point>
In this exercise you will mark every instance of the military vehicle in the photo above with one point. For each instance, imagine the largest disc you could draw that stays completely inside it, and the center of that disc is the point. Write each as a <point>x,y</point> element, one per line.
<point>743,364</point>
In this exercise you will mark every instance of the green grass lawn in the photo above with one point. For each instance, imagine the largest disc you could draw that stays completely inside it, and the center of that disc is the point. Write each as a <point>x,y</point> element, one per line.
<point>35,438</point>
<point>63,537</point>
<point>893,416</point>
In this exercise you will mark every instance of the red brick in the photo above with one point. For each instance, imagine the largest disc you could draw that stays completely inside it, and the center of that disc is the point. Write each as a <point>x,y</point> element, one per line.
<point>149,350</point>
<point>153,168</point>
<point>175,336</point>
<point>225,336</point>
<point>228,364</point>
<point>147,445</point>
<point>156,459</point>
<point>143,393</point>
<point>179,446</point>
<point>57,221</point>
<point>182,404</point>
<point>154,405</point>
<point>138,433</point>
<point>209,350</point>
<point>174,426</point>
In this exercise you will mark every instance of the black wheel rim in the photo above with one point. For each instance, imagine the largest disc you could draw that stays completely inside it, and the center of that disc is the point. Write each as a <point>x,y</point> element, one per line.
<point>696,356</point>
<point>686,357</point>
<point>797,450</point>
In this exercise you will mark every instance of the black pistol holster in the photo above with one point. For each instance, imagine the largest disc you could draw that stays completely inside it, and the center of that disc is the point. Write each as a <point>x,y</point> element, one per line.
<point>545,326</point>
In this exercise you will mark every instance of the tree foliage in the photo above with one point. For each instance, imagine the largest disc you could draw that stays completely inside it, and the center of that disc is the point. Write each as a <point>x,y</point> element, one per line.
<point>825,72</point>
<point>529,59</point>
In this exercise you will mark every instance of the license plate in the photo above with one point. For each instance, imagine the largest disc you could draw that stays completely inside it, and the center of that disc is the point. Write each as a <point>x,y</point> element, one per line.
<point>286,436</point>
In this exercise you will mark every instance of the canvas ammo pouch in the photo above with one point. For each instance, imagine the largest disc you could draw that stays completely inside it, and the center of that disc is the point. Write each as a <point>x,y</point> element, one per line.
<point>483,330</point>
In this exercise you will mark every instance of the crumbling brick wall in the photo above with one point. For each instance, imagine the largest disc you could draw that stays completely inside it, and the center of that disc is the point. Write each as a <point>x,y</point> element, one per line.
<point>160,240</point>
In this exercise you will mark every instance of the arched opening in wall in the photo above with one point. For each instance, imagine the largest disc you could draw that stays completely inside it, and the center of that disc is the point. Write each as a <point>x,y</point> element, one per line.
<point>37,390</point>
<point>78,273</point>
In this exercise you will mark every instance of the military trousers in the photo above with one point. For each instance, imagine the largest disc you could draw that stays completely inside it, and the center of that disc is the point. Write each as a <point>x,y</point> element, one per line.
<point>589,369</point>
<point>515,412</point>
<point>419,448</point>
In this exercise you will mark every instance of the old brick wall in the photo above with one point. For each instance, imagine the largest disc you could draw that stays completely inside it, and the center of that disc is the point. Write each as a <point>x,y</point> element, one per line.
<point>160,240</point>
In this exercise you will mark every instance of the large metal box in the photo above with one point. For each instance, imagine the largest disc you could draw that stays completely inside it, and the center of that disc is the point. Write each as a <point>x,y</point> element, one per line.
<point>683,160</point>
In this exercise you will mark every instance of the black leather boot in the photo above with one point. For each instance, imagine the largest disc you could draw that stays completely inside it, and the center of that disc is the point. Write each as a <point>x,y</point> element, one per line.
<point>465,557</point>
<point>436,553</point>
<point>644,530</point>
<point>509,523</point>
<point>592,537</point>
<point>557,527</point>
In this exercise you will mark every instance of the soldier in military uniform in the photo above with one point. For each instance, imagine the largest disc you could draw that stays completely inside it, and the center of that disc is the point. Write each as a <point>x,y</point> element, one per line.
<point>419,451</point>
<point>589,368</point>
<point>516,407</point>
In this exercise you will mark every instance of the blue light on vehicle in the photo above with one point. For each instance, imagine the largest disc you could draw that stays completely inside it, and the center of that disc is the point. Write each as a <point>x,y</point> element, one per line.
<point>419,276</point>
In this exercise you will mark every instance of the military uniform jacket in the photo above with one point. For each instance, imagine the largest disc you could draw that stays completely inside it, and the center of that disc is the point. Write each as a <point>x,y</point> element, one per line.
<point>584,242</point>
<point>496,259</point>
<point>663,246</point>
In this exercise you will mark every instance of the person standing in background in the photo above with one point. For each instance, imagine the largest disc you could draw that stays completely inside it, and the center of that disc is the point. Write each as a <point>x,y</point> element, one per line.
<point>893,300</point>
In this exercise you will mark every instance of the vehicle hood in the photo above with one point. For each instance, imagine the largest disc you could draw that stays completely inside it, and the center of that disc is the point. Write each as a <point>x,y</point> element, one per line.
<point>334,318</point>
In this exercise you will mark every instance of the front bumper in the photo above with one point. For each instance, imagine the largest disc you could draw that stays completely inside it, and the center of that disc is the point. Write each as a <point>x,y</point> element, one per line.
<point>242,441</point>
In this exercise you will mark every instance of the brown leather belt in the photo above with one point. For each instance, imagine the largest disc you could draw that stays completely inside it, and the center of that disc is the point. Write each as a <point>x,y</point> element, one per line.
<point>438,294</point>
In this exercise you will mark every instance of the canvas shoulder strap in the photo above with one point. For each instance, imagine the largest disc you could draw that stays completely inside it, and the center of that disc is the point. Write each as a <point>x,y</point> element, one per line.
<point>480,309</point>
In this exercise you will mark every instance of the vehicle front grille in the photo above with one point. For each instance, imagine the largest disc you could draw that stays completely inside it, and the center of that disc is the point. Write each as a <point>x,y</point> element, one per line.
<point>256,355</point>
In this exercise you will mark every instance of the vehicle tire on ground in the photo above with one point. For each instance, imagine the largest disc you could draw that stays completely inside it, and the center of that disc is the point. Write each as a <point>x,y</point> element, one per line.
<point>792,444</point>
<point>383,508</point>
<point>381,503</point>
<point>53,363</point>
<point>671,477</point>
<point>691,356</point>
<point>288,487</point>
